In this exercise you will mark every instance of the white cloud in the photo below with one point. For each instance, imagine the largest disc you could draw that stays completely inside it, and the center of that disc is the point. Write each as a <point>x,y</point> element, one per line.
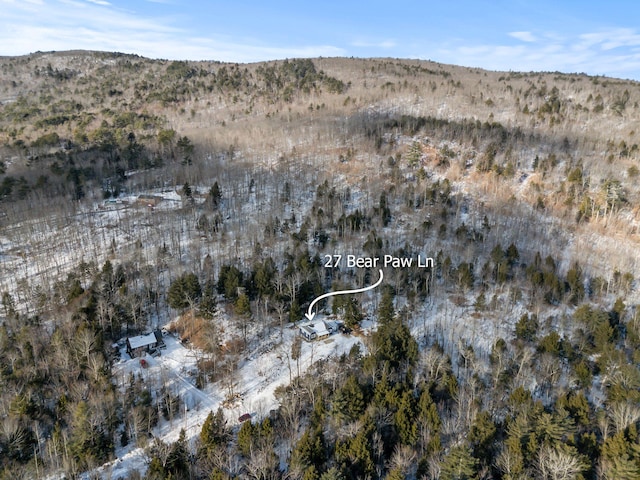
<point>614,52</point>
<point>98,25</point>
<point>385,44</point>
<point>611,39</point>
<point>524,36</point>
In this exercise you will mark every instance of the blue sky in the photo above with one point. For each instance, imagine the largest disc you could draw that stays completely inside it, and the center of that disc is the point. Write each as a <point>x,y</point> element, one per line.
<point>599,38</point>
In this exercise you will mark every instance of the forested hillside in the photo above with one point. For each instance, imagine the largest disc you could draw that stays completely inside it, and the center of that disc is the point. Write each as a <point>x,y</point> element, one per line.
<point>218,201</point>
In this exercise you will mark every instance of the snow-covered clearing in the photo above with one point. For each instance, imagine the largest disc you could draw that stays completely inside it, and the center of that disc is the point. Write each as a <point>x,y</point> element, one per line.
<point>259,374</point>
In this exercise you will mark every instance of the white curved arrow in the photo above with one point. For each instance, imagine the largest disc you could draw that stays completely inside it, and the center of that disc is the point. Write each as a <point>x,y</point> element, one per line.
<point>310,315</point>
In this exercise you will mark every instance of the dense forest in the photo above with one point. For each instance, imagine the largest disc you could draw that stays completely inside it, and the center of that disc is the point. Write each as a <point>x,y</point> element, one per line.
<point>212,201</point>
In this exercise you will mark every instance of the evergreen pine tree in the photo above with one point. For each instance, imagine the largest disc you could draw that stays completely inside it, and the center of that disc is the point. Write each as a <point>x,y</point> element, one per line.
<point>177,463</point>
<point>332,474</point>
<point>246,438</point>
<point>352,314</point>
<point>186,190</point>
<point>215,196</point>
<point>243,306</point>
<point>459,464</point>
<point>207,307</point>
<point>481,436</point>
<point>184,291</point>
<point>405,419</point>
<point>214,431</point>
<point>348,402</point>
<point>386,310</point>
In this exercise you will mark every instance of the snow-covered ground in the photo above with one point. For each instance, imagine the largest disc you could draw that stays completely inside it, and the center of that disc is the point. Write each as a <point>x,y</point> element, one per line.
<point>44,250</point>
<point>259,374</point>
<point>39,251</point>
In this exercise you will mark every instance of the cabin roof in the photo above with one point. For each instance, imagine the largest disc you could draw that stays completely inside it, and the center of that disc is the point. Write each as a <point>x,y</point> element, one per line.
<point>142,340</point>
<point>318,327</point>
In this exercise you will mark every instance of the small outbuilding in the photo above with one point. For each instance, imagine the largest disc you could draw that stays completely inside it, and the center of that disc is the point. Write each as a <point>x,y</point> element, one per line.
<point>150,201</point>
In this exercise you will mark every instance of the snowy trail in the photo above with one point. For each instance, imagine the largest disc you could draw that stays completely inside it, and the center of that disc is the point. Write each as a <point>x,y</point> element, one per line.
<point>206,400</point>
<point>257,379</point>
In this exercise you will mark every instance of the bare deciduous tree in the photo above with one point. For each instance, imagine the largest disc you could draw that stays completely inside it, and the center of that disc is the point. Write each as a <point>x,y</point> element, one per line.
<point>623,414</point>
<point>555,464</point>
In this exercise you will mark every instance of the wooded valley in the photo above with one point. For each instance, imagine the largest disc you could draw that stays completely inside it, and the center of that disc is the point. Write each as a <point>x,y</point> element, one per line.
<point>211,200</point>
